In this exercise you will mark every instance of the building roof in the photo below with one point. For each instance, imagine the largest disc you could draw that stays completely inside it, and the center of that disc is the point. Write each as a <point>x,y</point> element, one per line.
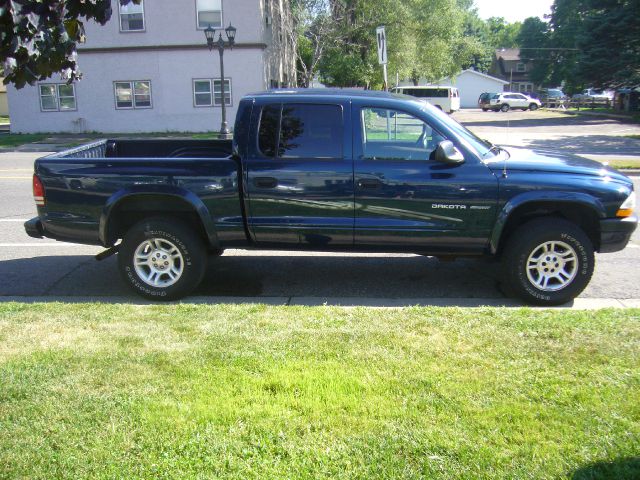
<point>508,54</point>
<point>484,75</point>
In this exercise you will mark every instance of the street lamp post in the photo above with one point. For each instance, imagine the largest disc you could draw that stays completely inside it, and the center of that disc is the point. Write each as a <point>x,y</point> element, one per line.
<point>210,34</point>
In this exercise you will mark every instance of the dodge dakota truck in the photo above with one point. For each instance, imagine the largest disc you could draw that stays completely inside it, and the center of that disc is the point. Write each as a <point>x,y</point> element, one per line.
<point>335,170</point>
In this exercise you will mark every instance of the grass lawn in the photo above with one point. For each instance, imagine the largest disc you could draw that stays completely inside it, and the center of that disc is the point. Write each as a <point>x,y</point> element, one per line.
<point>16,139</point>
<point>625,164</point>
<point>250,391</point>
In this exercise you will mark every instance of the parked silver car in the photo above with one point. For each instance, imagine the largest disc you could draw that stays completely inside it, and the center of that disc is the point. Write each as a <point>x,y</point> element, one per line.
<point>507,100</point>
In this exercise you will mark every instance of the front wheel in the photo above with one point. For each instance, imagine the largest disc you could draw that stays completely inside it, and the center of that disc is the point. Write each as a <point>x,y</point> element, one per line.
<point>504,108</point>
<point>162,259</point>
<point>533,106</point>
<point>548,262</point>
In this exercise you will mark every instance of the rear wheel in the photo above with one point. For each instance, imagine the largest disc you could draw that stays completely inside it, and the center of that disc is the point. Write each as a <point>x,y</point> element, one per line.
<point>162,259</point>
<point>533,106</point>
<point>547,262</point>
<point>504,108</point>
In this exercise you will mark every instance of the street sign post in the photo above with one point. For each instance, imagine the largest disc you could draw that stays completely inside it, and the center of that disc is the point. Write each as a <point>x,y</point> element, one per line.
<point>381,41</point>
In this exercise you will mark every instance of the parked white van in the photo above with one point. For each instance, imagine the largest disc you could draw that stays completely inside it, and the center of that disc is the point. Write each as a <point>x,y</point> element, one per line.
<point>444,97</point>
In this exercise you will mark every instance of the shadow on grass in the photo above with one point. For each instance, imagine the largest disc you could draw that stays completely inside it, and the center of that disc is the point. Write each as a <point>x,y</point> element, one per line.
<point>622,469</point>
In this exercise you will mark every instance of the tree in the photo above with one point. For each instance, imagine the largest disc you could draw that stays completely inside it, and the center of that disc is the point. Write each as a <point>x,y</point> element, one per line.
<point>503,34</point>
<point>533,40</point>
<point>39,37</point>
<point>315,30</point>
<point>597,42</point>
<point>609,43</point>
<point>419,42</point>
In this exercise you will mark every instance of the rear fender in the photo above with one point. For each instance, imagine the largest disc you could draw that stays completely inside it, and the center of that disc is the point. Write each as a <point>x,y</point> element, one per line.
<point>168,192</point>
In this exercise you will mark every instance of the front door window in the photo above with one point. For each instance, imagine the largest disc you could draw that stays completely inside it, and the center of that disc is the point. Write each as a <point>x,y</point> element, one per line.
<point>394,135</point>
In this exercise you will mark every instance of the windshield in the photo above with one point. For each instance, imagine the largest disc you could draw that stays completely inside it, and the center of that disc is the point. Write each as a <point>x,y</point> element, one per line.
<point>481,147</point>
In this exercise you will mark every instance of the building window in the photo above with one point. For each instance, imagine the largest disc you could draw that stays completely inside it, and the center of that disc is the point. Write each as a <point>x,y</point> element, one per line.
<point>57,97</point>
<point>206,96</point>
<point>135,94</point>
<point>209,13</point>
<point>521,67</point>
<point>217,92</point>
<point>202,93</point>
<point>132,17</point>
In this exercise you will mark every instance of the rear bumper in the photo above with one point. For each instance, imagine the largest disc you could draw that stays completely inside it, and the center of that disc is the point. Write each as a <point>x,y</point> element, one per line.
<point>616,232</point>
<point>34,228</point>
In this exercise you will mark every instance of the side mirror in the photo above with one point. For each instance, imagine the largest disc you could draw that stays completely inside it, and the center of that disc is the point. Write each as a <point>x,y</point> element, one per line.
<point>448,153</point>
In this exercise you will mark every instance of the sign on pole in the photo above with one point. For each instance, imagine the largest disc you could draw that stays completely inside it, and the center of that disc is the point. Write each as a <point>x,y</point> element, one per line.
<point>381,38</point>
<point>382,45</point>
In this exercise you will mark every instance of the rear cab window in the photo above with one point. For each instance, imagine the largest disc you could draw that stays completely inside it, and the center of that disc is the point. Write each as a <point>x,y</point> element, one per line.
<point>301,130</point>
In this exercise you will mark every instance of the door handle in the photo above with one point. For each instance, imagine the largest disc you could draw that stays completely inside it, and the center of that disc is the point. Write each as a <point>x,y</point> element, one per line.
<point>369,183</point>
<point>265,182</point>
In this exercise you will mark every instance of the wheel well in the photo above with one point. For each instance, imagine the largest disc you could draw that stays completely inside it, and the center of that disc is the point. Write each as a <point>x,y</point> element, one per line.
<point>581,215</point>
<point>134,209</point>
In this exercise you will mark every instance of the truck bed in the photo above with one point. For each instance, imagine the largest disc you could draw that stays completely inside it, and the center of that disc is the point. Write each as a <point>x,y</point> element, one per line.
<point>148,148</point>
<point>84,185</point>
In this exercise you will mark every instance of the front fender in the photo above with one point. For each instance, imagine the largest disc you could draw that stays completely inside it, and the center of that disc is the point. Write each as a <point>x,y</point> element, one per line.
<point>543,197</point>
<point>158,190</point>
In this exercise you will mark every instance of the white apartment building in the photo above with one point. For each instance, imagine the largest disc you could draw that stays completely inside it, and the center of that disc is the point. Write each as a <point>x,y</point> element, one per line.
<point>149,69</point>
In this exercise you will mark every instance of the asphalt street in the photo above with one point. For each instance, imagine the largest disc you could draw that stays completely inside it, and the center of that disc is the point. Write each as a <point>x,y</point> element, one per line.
<point>48,270</point>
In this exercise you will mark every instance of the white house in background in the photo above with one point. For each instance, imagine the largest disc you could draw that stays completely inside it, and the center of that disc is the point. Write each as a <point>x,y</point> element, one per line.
<point>149,69</point>
<point>470,84</point>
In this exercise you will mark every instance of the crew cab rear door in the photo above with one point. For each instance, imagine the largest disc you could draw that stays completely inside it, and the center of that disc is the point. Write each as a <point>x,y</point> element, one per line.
<point>299,173</point>
<point>404,199</point>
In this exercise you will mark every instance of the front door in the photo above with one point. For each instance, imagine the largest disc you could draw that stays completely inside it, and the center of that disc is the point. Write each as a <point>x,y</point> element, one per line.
<point>299,175</point>
<point>405,200</point>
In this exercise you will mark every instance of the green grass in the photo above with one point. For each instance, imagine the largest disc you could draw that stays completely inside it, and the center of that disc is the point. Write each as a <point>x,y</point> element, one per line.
<point>625,164</point>
<point>250,391</point>
<point>16,139</point>
<point>637,137</point>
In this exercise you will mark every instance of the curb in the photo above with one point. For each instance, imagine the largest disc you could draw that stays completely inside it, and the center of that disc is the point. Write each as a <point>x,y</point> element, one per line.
<point>342,302</point>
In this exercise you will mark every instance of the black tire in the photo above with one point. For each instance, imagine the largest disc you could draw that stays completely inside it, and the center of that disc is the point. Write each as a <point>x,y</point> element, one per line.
<point>180,255</point>
<point>533,107</point>
<point>504,107</point>
<point>571,256</point>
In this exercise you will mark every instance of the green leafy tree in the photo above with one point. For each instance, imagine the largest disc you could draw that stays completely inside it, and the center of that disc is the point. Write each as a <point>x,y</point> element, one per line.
<point>503,34</point>
<point>39,37</point>
<point>533,40</point>
<point>419,43</point>
<point>315,31</point>
<point>609,43</point>
<point>595,43</point>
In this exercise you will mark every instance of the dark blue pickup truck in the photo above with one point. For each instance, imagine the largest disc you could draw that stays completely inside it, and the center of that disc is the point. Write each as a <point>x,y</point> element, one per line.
<point>335,171</point>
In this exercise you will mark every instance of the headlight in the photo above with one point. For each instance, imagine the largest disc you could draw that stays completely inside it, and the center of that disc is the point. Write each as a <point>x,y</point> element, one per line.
<point>627,207</point>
